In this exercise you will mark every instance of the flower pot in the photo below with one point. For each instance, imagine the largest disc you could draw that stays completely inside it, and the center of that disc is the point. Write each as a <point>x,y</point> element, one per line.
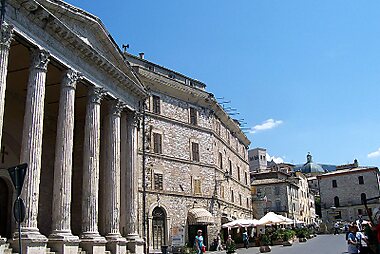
<point>302,239</point>
<point>265,248</point>
<point>287,243</point>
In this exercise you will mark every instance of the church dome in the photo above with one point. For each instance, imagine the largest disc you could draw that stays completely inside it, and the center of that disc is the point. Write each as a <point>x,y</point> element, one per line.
<point>310,167</point>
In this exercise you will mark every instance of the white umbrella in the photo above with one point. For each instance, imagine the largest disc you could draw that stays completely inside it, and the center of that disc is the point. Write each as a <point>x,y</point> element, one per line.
<point>271,218</point>
<point>245,223</point>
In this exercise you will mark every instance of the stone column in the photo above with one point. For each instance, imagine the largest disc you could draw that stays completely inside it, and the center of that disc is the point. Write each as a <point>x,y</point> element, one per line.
<point>135,243</point>
<point>31,150</point>
<point>61,239</point>
<point>116,243</point>
<point>123,171</point>
<point>91,240</point>
<point>5,43</point>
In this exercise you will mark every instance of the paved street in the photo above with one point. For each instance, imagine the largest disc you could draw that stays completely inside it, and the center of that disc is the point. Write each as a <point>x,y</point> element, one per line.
<point>322,244</point>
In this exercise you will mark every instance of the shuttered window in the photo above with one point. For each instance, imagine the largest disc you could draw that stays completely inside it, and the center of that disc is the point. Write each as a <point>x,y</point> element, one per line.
<point>197,186</point>
<point>195,151</point>
<point>158,181</point>
<point>157,143</point>
<point>156,104</point>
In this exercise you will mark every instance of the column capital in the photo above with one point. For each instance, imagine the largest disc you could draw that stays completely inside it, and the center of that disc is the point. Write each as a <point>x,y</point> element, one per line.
<point>40,59</point>
<point>6,35</point>
<point>135,118</point>
<point>96,94</point>
<point>70,78</point>
<point>117,107</point>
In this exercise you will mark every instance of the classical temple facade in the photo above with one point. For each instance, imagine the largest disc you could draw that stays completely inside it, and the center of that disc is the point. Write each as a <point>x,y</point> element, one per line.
<point>69,106</point>
<point>195,160</point>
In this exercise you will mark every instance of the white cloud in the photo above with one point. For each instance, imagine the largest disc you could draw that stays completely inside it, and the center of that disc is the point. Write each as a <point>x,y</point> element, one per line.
<point>266,125</point>
<point>374,154</point>
<point>275,159</point>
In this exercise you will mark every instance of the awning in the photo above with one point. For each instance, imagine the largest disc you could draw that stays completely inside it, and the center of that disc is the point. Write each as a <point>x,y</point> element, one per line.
<point>199,216</point>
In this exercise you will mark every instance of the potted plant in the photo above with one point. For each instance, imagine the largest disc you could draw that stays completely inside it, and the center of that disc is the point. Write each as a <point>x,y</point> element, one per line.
<point>301,234</point>
<point>288,237</point>
<point>264,243</point>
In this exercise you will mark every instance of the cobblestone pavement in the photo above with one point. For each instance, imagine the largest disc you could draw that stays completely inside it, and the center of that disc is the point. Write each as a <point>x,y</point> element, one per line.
<point>322,244</point>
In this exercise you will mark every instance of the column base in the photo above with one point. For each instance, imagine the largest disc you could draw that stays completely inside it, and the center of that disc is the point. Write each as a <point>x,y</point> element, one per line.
<point>64,242</point>
<point>135,244</point>
<point>93,243</point>
<point>116,244</point>
<point>32,241</point>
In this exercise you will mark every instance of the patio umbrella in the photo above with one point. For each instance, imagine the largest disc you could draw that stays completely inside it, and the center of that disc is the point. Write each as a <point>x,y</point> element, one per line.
<point>271,218</point>
<point>244,223</point>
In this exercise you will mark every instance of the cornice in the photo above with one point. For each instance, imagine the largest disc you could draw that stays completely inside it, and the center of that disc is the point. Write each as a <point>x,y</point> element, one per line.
<point>50,23</point>
<point>197,96</point>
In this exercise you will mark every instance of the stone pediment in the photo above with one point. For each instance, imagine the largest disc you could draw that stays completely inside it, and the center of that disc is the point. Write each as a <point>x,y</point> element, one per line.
<point>86,26</point>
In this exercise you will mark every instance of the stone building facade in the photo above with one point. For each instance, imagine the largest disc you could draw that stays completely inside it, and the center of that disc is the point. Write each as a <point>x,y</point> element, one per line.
<point>68,108</point>
<point>196,164</point>
<point>342,193</point>
<point>283,193</point>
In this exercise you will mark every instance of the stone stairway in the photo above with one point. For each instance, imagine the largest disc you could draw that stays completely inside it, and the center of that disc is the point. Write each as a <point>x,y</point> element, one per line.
<point>6,249</point>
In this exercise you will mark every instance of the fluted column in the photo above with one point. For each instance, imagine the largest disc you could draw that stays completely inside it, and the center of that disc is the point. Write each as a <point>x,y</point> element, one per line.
<point>31,147</point>
<point>5,43</point>
<point>131,176</point>
<point>112,178</point>
<point>90,202</point>
<point>61,221</point>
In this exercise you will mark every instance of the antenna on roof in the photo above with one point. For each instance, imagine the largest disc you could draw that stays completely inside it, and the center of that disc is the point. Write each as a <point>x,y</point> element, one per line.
<point>125,47</point>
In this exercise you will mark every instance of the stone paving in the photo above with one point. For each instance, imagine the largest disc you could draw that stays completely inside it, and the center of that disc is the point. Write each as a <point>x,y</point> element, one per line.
<point>322,244</point>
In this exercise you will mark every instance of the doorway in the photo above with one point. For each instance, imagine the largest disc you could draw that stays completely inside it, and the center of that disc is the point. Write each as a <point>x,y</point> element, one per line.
<point>193,233</point>
<point>158,228</point>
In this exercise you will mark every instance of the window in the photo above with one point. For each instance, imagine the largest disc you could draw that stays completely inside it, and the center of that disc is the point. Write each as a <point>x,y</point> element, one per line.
<point>193,116</point>
<point>277,190</point>
<point>361,180</point>
<point>230,162</point>
<point>197,186</point>
<point>360,211</point>
<point>246,177</point>
<point>222,191</point>
<point>238,171</point>
<point>195,151</point>
<point>248,202</point>
<point>336,202</point>
<point>157,143</point>
<point>363,197</point>
<point>218,128</point>
<point>156,104</point>
<point>232,196</point>
<point>220,160</point>
<point>240,200</point>
<point>158,181</point>
<point>334,184</point>
<point>278,205</point>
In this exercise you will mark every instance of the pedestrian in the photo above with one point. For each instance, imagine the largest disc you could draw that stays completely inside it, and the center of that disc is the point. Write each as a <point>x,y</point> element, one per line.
<point>336,228</point>
<point>199,242</point>
<point>230,244</point>
<point>363,243</point>
<point>352,240</point>
<point>219,242</point>
<point>245,239</point>
<point>346,231</point>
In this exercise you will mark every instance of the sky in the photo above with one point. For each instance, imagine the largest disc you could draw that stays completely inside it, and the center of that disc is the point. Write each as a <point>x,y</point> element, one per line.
<point>303,74</point>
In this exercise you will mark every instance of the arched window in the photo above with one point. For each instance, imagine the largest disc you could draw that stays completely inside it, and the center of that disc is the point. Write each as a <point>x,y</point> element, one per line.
<point>363,197</point>
<point>336,201</point>
<point>158,227</point>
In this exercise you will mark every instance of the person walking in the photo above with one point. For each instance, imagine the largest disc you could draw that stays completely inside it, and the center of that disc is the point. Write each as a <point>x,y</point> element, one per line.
<point>199,242</point>
<point>336,228</point>
<point>219,242</point>
<point>245,239</point>
<point>352,240</point>
<point>363,243</point>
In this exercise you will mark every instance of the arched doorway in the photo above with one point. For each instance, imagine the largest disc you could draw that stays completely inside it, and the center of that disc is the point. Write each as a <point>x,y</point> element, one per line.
<point>5,230</point>
<point>158,228</point>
